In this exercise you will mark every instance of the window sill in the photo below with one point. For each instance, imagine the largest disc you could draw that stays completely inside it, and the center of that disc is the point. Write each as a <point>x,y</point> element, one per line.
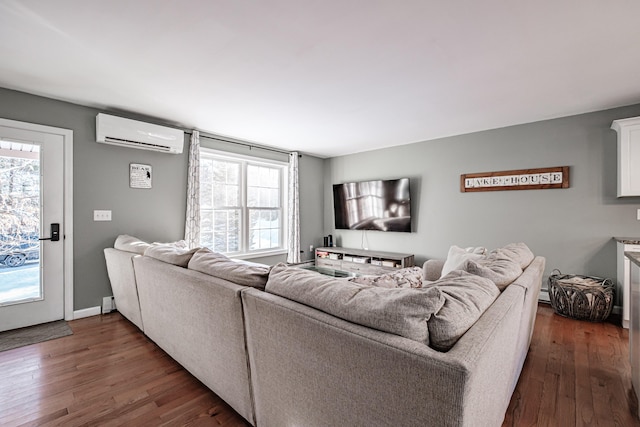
<point>260,254</point>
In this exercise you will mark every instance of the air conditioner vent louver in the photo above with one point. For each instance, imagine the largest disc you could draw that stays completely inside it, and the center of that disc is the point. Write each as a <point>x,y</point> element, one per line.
<point>134,144</point>
<point>135,134</point>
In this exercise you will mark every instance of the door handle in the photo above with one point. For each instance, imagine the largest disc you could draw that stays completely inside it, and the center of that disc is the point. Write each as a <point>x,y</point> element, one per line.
<point>55,233</point>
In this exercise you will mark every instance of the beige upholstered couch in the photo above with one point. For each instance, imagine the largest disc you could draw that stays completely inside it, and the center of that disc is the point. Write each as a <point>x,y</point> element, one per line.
<point>193,316</point>
<point>279,362</point>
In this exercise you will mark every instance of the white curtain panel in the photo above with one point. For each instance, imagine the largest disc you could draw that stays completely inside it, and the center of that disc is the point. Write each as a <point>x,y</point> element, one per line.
<point>192,225</point>
<point>294,211</point>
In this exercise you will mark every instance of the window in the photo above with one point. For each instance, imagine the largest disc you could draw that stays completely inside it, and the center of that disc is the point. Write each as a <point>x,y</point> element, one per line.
<point>242,204</point>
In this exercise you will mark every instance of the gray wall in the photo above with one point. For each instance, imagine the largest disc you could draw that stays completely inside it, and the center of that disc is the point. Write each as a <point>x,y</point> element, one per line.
<point>101,181</point>
<point>572,228</point>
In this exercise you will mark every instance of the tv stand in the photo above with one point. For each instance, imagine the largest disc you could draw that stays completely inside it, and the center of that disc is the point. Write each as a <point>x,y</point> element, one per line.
<point>362,261</point>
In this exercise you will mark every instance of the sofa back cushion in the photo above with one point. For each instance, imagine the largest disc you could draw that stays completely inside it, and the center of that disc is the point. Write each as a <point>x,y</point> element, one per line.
<point>403,312</point>
<point>466,297</point>
<point>502,272</point>
<point>503,265</point>
<point>239,272</point>
<point>180,244</point>
<point>170,254</point>
<point>516,252</point>
<point>127,243</point>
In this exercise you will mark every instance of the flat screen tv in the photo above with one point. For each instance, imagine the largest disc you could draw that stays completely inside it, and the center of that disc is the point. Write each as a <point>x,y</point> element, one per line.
<point>383,205</point>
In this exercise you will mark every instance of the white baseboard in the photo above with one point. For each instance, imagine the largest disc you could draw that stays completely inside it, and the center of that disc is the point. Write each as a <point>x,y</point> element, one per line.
<point>87,312</point>
<point>544,296</point>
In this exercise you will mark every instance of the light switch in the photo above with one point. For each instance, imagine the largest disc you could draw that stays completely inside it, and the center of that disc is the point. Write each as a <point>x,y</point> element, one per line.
<point>102,215</point>
<point>638,215</point>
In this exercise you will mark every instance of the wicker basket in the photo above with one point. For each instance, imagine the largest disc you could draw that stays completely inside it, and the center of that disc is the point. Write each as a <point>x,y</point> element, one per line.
<point>581,297</point>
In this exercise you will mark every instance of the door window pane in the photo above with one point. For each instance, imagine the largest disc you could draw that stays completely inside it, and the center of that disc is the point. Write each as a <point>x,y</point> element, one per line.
<point>19,223</point>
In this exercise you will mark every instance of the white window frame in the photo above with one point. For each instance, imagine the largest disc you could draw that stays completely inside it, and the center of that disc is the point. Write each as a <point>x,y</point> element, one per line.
<point>244,160</point>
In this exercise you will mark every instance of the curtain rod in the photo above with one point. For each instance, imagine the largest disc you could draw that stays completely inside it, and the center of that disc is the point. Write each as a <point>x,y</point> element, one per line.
<point>246,144</point>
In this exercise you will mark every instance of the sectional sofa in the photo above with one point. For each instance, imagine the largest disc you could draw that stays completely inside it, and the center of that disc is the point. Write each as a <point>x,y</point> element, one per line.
<point>289,347</point>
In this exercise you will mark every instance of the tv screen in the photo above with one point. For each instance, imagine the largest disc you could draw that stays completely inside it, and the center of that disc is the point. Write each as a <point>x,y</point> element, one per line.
<point>383,205</point>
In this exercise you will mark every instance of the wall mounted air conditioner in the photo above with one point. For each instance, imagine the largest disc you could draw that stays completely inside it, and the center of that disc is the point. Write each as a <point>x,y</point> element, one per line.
<point>134,134</point>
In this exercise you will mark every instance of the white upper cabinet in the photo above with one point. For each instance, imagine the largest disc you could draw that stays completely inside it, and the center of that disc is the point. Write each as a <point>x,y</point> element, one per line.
<point>628,156</point>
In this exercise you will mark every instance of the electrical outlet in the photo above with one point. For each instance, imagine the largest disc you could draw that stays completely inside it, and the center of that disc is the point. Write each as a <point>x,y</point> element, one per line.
<point>102,215</point>
<point>311,247</point>
<point>638,215</point>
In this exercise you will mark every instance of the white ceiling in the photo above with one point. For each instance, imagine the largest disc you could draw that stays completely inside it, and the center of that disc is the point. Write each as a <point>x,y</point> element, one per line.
<point>327,77</point>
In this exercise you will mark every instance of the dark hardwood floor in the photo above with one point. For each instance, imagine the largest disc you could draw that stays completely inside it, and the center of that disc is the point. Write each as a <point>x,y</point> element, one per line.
<point>108,373</point>
<point>577,373</point>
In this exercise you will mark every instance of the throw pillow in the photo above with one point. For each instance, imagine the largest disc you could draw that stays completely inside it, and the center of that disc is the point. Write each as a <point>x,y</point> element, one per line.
<point>171,254</point>
<point>127,243</point>
<point>410,277</point>
<point>466,297</point>
<point>456,259</point>
<point>403,312</point>
<point>236,271</point>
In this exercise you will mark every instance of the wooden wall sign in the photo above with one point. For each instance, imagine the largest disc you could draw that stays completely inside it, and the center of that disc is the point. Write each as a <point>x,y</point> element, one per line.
<point>521,179</point>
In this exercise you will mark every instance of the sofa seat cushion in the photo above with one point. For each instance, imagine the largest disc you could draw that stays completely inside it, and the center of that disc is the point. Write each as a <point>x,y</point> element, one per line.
<point>403,312</point>
<point>236,271</point>
<point>127,243</point>
<point>466,297</point>
<point>410,277</point>
<point>170,254</point>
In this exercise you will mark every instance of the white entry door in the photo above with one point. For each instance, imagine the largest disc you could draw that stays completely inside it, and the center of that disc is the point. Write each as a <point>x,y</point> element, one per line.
<point>32,224</point>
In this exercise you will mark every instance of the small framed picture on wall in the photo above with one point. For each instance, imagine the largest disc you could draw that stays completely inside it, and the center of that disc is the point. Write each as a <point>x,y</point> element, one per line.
<point>140,175</point>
